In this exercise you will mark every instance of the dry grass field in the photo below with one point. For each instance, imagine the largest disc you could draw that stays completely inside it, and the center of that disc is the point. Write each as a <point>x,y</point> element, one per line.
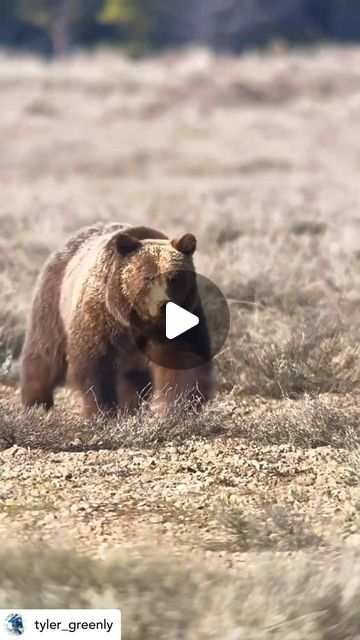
<point>260,158</point>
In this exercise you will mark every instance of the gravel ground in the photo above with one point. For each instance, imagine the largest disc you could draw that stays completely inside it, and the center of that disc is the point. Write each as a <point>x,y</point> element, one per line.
<point>190,497</point>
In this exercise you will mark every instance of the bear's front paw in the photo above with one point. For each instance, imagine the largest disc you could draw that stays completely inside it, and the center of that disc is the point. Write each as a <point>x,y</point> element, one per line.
<point>160,407</point>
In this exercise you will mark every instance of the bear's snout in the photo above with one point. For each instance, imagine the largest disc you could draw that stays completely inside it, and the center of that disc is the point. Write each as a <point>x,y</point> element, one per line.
<point>157,298</point>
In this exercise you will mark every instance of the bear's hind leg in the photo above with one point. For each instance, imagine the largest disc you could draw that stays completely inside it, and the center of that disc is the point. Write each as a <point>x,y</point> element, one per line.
<point>132,387</point>
<point>44,352</point>
<point>39,378</point>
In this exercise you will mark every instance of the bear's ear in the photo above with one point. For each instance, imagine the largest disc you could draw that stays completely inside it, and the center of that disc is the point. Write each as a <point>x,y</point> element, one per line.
<point>186,244</point>
<point>124,243</point>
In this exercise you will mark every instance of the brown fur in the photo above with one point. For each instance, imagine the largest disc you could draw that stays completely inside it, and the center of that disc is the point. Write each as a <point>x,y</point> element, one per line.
<point>79,323</point>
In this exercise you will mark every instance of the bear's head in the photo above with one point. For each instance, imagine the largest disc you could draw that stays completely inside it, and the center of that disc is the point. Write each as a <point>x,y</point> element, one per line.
<point>147,273</point>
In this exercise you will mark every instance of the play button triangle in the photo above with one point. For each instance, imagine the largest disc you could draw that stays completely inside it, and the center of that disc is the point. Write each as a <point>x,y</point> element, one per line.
<point>178,320</point>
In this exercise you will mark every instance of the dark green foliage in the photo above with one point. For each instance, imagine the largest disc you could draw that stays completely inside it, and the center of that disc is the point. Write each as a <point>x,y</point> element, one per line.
<point>56,25</point>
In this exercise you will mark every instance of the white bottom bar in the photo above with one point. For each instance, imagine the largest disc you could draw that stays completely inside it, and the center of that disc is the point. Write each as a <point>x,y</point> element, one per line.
<point>50,624</point>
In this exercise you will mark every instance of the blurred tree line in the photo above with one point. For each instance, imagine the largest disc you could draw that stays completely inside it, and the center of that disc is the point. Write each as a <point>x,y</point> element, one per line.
<point>56,26</point>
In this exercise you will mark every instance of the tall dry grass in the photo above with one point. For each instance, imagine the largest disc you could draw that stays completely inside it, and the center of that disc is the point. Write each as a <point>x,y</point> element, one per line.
<point>159,599</point>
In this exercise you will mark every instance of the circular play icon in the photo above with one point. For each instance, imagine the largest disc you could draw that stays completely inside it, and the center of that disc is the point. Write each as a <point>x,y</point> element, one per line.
<point>180,323</point>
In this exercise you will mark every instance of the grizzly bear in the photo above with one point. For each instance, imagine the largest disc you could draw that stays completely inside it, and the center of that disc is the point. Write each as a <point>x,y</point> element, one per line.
<point>108,286</point>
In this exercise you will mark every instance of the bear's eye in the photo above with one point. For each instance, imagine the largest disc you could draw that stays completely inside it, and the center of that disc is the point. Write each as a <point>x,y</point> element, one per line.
<point>149,279</point>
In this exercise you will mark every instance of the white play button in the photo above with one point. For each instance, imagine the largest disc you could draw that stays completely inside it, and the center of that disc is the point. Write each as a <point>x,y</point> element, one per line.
<point>178,320</point>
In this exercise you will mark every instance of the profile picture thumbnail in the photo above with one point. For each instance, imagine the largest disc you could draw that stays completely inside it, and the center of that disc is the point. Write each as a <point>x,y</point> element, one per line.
<point>14,625</point>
